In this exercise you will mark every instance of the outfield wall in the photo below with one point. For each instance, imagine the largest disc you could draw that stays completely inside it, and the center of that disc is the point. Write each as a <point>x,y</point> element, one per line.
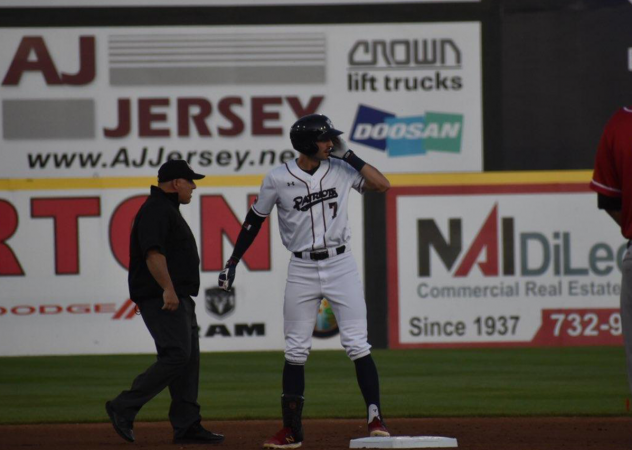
<point>472,260</point>
<point>90,113</point>
<point>119,101</point>
<point>94,99</point>
<point>64,257</point>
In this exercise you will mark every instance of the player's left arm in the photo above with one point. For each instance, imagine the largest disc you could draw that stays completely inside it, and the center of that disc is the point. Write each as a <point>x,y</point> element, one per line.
<point>607,174</point>
<point>612,205</point>
<point>374,180</point>
<point>616,216</point>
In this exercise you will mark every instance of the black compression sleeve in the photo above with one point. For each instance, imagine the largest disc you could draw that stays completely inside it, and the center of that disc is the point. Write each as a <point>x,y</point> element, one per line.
<point>608,203</point>
<point>247,235</point>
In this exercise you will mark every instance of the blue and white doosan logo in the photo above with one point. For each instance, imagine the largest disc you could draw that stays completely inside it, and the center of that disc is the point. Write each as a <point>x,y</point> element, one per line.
<point>410,135</point>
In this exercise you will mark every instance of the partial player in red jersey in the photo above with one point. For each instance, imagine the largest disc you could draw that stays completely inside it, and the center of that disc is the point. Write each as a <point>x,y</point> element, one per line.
<point>612,180</point>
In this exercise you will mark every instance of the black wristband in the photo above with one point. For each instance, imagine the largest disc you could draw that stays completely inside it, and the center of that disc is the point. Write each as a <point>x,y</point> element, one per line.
<point>232,261</point>
<point>608,203</point>
<point>353,160</point>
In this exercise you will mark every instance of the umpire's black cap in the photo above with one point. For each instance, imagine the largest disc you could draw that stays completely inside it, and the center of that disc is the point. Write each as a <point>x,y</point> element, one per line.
<point>177,168</point>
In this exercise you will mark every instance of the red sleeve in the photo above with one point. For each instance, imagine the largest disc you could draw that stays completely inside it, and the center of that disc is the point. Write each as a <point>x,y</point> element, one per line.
<point>606,179</point>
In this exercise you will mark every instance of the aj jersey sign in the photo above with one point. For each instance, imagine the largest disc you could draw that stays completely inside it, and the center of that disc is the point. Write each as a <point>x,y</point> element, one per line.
<point>113,102</point>
<point>537,265</point>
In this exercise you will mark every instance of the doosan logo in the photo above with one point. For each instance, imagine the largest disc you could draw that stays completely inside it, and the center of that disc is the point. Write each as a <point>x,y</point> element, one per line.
<point>407,136</point>
<point>493,251</point>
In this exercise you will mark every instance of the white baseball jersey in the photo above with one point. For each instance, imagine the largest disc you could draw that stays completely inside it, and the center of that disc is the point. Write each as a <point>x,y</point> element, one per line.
<point>312,209</point>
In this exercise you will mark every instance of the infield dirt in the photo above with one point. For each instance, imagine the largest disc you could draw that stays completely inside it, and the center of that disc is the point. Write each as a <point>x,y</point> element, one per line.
<point>530,433</point>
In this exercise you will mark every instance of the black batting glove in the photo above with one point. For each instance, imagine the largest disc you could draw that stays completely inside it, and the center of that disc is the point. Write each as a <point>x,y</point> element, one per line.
<point>227,276</point>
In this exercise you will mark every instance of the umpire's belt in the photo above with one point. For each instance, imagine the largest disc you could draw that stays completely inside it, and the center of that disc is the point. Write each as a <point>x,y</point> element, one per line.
<point>322,254</point>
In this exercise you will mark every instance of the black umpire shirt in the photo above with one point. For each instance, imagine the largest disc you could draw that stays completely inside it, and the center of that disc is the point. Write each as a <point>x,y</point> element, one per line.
<point>159,225</point>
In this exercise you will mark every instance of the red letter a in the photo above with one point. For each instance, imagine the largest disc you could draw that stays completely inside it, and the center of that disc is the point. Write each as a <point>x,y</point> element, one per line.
<point>43,62</point>
<point>487,238</point>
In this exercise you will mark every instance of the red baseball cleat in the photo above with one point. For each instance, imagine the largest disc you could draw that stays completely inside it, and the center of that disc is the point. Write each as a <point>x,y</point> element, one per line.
<point>377,428</point>
<point>283,439</point>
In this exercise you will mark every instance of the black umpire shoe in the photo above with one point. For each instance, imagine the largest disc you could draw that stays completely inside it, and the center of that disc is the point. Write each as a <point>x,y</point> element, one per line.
<point>123,427</point>
<point>196,434</point>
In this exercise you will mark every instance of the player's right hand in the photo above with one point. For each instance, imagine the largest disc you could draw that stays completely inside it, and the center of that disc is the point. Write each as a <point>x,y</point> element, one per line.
<point>227,276</point>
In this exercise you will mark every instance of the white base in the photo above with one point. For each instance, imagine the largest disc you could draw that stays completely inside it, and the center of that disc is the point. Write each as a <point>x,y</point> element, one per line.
<point>404,442</point>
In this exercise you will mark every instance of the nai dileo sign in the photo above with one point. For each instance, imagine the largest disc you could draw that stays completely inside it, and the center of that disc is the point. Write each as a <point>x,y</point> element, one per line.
<point>507,264</point>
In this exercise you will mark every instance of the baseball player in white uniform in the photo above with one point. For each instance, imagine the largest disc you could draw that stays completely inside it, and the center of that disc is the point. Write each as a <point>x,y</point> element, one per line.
<point>311,195</point>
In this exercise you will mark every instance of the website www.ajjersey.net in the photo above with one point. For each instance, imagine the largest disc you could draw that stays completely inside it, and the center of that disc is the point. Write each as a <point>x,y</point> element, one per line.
<point>235,160</point>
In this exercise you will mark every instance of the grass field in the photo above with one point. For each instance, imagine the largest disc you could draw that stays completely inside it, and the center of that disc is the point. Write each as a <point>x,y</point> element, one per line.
<point>415,383</point>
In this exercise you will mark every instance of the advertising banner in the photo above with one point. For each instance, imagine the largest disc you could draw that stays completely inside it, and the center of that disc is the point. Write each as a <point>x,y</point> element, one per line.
<point>63,270</point>
<point>117,102</point>
<point>508,263</point>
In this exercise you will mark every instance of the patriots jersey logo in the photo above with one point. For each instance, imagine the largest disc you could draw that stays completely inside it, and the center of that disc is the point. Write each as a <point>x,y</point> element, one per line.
<point>304,203</point>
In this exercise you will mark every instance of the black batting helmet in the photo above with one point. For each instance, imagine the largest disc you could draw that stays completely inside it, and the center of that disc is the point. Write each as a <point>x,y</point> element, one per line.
<point>309,129</point>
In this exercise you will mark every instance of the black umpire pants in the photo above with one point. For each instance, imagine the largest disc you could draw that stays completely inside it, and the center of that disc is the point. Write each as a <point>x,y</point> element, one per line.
<point>177,365</point>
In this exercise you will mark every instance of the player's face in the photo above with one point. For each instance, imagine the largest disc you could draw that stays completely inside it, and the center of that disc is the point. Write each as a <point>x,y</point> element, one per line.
<point>185,190</point>
<point>324,149</point>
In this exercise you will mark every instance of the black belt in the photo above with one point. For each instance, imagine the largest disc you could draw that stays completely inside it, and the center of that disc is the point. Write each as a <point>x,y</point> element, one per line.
<point>323,254</point>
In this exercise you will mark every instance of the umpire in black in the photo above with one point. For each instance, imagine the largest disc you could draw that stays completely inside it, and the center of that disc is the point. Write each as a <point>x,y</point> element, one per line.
<point>164,273</point>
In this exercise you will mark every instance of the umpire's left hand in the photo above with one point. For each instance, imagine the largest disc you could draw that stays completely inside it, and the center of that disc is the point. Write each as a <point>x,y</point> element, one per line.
<point>171,301</point>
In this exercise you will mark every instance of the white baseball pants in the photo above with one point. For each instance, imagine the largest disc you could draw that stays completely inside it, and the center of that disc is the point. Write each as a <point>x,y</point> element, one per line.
<point>308,282</point>
<point>626,310</point>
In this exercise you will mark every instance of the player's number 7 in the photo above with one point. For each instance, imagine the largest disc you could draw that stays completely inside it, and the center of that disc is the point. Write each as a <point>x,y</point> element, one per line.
<point>334,206</point>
